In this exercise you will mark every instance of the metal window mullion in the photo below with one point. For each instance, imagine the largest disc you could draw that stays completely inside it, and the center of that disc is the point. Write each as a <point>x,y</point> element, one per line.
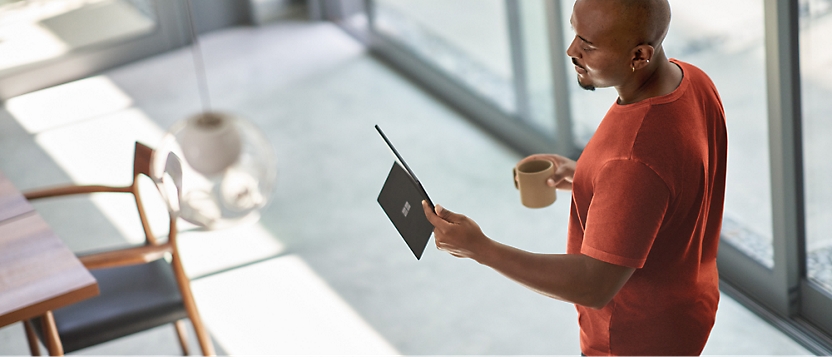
<point>518,60</point>
<point>326,10</point>
<point>370,8</point>
<point>560,91</point>
<point>314,10</point>
<point>784,114</point>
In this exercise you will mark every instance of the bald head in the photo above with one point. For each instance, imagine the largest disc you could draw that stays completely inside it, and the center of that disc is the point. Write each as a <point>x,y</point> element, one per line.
<point>632,22</point>
<point>649,19</point>
<point>618,43</point>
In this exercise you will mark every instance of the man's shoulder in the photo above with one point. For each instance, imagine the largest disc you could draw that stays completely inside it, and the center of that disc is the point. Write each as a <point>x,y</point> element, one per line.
<point>687,67</point>
<point>694,74</point>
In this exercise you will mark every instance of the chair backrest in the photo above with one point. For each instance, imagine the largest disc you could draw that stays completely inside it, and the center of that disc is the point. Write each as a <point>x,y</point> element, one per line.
<point>141,160</point>
<point>153,250</point>
<point>141,166</point>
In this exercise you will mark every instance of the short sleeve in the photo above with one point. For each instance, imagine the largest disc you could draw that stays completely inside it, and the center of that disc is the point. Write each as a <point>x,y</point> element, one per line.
<point>628,206</point>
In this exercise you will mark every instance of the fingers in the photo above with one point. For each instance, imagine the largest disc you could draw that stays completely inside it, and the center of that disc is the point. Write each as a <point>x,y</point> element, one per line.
<point>557,177</point>
<point>431,215</point>
<point>567,170</point>
<point>448,215</point>
<point>441,214</point>
<point>564,172</point>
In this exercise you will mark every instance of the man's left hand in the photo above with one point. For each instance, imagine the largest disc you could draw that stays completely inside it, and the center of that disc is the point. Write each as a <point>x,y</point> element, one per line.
<point>455,233</point>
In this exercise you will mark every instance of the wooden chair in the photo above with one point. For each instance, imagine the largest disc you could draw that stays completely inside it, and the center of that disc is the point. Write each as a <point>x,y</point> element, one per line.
<point>140,289</point>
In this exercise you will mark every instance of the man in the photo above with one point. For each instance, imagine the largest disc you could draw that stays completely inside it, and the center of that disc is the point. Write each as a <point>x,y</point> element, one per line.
<point>647,195</point>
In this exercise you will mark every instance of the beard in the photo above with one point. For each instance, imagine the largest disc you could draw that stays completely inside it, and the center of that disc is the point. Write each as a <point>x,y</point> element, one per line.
<point>588,87</point>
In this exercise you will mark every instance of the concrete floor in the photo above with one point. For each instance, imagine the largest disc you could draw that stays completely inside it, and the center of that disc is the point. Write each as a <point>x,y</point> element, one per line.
<point>323,272</point>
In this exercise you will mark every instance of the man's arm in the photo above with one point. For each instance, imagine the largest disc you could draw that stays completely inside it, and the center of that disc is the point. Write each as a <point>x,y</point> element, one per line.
<point>574,278</point>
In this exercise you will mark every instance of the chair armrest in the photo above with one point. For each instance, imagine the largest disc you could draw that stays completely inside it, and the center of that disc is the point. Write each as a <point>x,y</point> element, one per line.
<point>127,256</point>
<point>72,190</point>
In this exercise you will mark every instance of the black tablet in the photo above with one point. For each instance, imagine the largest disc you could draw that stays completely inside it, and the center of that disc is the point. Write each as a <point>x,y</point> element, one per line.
<point>401,199</point>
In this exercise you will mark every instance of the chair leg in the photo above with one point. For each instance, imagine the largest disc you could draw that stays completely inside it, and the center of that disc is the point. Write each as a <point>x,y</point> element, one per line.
<point>34,349</point>
<point>190,306</point>
<point>50,334</point>
<point>183,336</point>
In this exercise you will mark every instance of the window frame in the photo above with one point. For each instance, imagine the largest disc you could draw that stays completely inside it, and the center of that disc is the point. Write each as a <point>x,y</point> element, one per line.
<point>782,295</point>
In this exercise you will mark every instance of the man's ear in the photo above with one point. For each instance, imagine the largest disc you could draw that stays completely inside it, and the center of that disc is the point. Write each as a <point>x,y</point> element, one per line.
<point>642,55</point>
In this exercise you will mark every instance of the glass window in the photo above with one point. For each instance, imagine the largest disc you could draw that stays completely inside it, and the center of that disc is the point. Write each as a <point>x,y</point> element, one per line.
<point>816,82</point>
<point>466,39</point>
<point>38,31</point>
<point>726,40</point>
<point>537,65</point>
<point>588,107</point>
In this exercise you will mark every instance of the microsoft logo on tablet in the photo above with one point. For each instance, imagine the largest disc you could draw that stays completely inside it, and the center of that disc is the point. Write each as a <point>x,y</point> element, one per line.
<point>406,208</point>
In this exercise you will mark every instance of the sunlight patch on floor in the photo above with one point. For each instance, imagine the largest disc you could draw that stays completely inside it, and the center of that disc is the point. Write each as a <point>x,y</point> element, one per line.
<point>282,307</point>
<point>67,103</point>
<point>33,32</point>
<point>253,301</point>
<point>207,252</point>
<point>28,43</point>
<point>100,152</point>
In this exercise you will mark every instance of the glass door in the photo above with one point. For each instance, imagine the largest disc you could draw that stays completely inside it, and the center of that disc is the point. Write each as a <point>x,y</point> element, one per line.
<point>471,46</point>
<point>503,63</point>
<point>772,64</point>
<point>489,58</point>
<point>816,85</point>
<point>727,41</point>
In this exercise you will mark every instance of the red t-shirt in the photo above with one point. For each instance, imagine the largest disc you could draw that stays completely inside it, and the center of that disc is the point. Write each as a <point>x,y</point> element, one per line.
<point>648,194</point>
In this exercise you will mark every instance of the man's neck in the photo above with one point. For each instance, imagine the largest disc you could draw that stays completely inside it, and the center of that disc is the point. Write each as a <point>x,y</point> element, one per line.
<point>656,79</point>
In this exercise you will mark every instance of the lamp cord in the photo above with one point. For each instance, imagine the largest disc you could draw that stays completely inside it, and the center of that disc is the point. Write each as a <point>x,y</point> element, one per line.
<point>199,65</point>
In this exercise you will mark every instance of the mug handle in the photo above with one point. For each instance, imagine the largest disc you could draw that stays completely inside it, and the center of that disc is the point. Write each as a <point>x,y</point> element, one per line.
<point>514,177</point>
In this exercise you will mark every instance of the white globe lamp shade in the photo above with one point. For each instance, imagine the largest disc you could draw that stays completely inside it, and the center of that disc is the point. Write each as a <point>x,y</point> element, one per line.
<point>215,170</point>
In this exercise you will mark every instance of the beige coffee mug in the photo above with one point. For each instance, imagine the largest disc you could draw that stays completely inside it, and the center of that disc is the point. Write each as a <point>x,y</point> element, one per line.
<point>530,178</point>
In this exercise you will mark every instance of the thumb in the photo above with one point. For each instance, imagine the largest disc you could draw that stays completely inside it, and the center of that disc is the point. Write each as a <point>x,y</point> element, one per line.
<point>447,215</point>
<point>559,175</point>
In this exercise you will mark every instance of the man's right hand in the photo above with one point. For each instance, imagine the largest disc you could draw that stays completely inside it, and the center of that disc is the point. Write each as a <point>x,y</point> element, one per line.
<point>564,170</point>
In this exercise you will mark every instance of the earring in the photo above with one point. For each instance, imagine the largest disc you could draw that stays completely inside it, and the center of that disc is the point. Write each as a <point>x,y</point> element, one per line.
<point>634,68</point>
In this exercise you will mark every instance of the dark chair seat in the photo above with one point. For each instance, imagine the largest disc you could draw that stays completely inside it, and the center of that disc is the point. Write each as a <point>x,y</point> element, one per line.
<point>133,299</point>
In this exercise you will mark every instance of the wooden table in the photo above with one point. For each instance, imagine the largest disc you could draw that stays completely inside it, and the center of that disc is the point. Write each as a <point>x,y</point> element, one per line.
<point>38,273</point>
